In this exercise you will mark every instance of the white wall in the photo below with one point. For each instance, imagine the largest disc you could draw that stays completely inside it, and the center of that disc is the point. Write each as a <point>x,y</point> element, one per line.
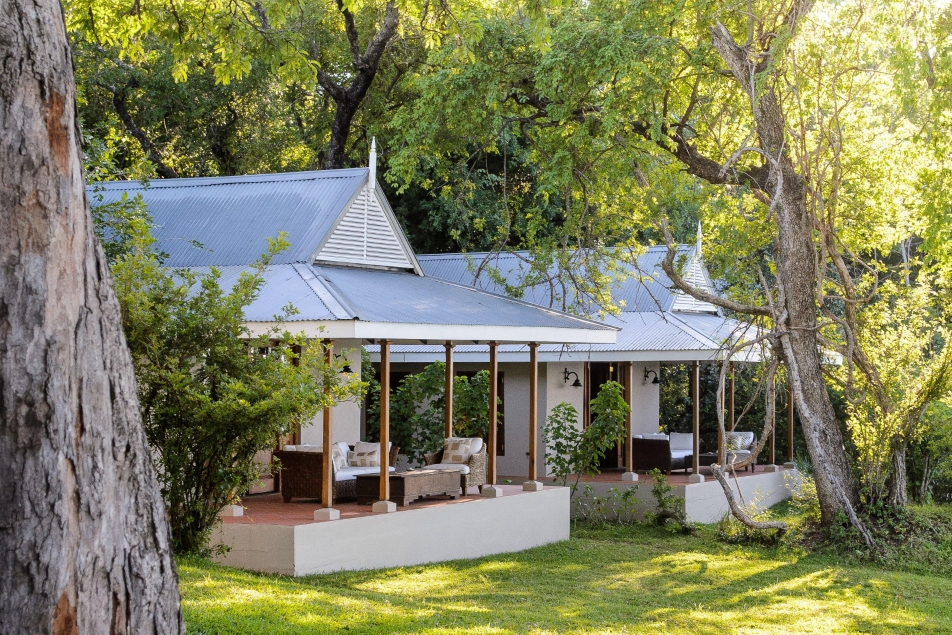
<point>645,399</point>
<point>515,463</point>
<point>558,390</point>
<point>345,417</point>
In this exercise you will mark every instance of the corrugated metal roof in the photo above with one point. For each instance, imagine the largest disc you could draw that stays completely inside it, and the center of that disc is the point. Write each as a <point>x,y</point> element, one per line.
<point>340,293</point>
<point>282,285</point>
<point>232,217</point>
<point>388,296</point>
<point>646,287</point>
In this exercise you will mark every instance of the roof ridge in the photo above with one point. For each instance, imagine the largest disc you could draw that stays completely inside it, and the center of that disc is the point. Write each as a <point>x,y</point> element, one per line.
<point>231,179</point>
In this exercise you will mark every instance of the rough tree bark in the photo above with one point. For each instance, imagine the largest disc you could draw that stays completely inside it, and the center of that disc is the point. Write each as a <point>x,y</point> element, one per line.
<point>795,316</point>
<point>365,65</point>
<point>84,544</point>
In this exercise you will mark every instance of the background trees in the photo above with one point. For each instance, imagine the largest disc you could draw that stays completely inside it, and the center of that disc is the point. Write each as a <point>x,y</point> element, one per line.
<point>807,137</point>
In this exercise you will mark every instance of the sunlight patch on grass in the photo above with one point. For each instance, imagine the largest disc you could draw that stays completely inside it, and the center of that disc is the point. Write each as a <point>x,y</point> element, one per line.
<point>617,581</point>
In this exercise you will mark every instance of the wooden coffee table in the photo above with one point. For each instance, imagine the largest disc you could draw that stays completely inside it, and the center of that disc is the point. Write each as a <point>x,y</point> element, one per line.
<point>406,487</point>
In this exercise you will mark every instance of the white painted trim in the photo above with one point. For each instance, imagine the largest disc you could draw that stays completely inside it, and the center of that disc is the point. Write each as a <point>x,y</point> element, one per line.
<point>568,356</point>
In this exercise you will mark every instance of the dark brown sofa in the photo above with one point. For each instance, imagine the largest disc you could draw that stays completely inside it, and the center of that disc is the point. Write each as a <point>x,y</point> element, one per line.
<point>302,475</point>
<point>650,454</point>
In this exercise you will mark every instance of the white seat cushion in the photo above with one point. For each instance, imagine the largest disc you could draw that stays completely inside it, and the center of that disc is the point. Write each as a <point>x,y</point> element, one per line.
<point>682,441</point>
<point>303,448</point>
<point>460,467</point>
<point>657,437</point>
<point>680,454</point>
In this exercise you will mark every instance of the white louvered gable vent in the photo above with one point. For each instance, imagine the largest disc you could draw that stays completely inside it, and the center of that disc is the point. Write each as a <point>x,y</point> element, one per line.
<point>366,235</point>
<point>695,277</point>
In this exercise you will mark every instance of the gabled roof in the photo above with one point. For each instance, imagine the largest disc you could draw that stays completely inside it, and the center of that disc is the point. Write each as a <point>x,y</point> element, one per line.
<point>646,287</point>
<point>226,221</point>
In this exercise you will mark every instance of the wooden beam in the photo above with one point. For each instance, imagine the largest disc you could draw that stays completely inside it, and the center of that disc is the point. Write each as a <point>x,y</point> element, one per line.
<point>789,419</point>
<point>696,414</point>
<point>533,410</point>
<point>384,420</point>
<point>327,493</point>
<point>448,407</point>
<point>493,411</point>
<point>730,409</point>
<point>627,383</point>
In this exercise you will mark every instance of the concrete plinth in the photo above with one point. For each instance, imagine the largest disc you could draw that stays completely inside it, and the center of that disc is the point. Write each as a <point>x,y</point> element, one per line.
<point>328,513</point>
<point>789,465</point>
<point>492,492</point>
<point>412,536</point>
<point>696,478</point>
<point>770,468</point>
<point>532,486</point>
<point>232,511</point>
<point>384,507</point>
<point>630,477</point>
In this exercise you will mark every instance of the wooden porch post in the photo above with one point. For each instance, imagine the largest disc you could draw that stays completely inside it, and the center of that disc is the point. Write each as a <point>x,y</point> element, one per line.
<point>789,420</point>
<point>773,435</point>
<point>448,401</point>
<point>629,368</point>
<point>327,493</point>
<point>493,411</point>
<point>533,410</point>
<point>730,409</point>
<point>384,420</point>
<point>696,414</point>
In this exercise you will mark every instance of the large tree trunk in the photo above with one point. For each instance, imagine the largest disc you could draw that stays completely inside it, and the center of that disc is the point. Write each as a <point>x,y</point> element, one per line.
<point>898,481</point>
<point>797,313</point>
<point>84,544</point>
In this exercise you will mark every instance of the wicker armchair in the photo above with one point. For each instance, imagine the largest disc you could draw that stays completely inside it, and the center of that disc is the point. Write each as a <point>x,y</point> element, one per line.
<point>302,476</point>
<point>477,468</point>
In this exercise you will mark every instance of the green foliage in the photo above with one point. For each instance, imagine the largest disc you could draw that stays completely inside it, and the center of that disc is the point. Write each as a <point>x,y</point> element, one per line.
<point>669,509</point>
<point>930,456</point>
<point>618,507</point>
<point>417,409</point>
<point>571,450</point>
<point>211,395</point>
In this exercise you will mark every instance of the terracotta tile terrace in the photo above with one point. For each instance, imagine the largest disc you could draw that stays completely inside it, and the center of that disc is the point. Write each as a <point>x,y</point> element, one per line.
<point>270,509</point>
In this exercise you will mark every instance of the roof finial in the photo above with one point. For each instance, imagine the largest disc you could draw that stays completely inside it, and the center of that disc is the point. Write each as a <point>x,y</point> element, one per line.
<point>373,164</point>
<point>697,249</point>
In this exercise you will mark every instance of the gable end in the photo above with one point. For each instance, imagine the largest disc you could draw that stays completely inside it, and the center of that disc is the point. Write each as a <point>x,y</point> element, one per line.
<point>695,277</point>
<point>367,234</point>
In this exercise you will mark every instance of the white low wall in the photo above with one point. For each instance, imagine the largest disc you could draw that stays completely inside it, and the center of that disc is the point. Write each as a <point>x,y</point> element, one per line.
<point>704,502</point>
<point>409,537</point>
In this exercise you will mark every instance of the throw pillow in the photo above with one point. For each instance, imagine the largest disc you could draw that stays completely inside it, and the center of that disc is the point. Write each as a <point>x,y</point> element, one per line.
<point>338,458</point>
<point>366,459</point>
<point>456,450</point>
<point>736,441</point>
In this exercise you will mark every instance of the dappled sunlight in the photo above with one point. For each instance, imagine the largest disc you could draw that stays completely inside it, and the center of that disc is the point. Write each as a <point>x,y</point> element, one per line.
<point>665,584</point>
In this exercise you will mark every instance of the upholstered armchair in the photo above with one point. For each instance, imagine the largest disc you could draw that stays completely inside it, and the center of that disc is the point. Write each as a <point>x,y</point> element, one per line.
<point>472,469</point>
<point>738,446</point>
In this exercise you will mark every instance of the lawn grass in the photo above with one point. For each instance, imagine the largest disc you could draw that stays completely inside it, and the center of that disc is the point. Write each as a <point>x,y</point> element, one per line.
<point>620,580</point>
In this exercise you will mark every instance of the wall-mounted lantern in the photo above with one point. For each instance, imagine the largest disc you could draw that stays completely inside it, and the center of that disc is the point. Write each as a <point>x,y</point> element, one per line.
<point>656,379</point>
<point>567,374</point>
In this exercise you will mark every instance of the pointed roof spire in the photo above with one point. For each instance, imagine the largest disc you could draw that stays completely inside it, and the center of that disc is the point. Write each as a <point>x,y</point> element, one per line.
<point>373,164</point>
<point>697,248</point>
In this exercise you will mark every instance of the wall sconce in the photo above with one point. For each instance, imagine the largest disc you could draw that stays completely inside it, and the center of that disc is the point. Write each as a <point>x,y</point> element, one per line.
<point>567,374</point>
<point>346,368</point>
<point>656,379</point>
